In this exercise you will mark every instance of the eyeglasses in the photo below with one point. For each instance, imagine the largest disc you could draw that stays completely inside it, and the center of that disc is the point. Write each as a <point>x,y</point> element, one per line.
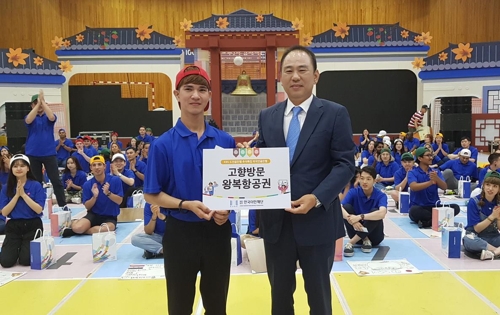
<point>427,155</point>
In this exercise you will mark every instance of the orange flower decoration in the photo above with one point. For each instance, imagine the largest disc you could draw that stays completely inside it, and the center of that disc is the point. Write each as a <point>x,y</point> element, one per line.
<point>463,52</point>
<point>297,24</point>
<point>143,32</point>
<point>341,30</point>
<point>418,63</point>
<point>426,37</point>
<point>405,34</point>
<point>186,25</point>
<point>222,23</point>
<point>259,18</point>
<point>178,40</point>
<point>57,42</point>
<point>16,57</point>
<point>66,66</point>
<point>306,39</point>
<point>443,56</point>
<point>79,38</point>
<point>418,38</point>
<point>66,43</point>
<point>38,61</point>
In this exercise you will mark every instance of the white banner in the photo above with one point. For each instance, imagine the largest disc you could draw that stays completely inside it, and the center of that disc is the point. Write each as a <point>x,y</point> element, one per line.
<point>246,178</point>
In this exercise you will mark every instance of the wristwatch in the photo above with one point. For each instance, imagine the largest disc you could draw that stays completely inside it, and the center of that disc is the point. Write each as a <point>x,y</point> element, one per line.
<point>362,217</point>
<point>318,203</point>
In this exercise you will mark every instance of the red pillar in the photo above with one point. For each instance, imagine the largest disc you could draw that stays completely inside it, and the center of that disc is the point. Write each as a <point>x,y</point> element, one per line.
<point>271,70</point>
<point>216,77</point>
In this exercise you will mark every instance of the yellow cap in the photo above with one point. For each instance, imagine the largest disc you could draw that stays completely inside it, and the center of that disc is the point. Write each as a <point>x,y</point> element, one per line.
<point>97,158</point>
<point>402,133</point>
<point>439,135</point>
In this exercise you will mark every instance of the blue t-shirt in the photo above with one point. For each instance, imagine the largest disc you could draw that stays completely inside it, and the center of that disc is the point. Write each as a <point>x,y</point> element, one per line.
<point>460,169</point>
<point>425,197</point>
<point>399,176</point>
<point>140,166</point>
<point>40,136</point>
<point>90,151</point>
<point>387,171</point>
<point>129,174</point>
<point>473,211</point>
<point>436,160</point>
<point>473,152</point>
<point>483,173</point>
<point>147,138</point>
<point>79,179</point>
<point>21,210</point>
<point>83,162</point>
<point>4,176</point>
<point>445,148</point>
<point>176,164</point>
<point>252,221</point>
<point>397,158</point>
<point>62,153</point>
<point>160,224</point>
<point>103,205</point>
<point>362,205</point>
<point>410,143</point>
<point>118,142</point>
<point>364,154</point>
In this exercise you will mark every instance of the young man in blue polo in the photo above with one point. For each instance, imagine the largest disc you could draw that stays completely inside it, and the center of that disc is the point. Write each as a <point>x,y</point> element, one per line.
<point>64,148</point>
<point>101,196</point>
<point>401,176</point>
<point>364,209</point>
<point>424,183</point>
<point>40,147</point>
<point>462,167</point>
<point>154,229</point>
<point>196,239</point>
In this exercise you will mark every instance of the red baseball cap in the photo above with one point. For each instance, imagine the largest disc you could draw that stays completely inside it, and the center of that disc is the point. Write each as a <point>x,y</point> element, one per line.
<point>198,71</point>
<point>87,138</point>
<point>79,140</point>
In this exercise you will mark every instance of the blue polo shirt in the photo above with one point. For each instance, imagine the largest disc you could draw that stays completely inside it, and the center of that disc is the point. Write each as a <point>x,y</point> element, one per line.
<point>140,166</point>
<point>425,197</point>
<point>362,205</point>
<point>410,143</point>
<point>62,154</point>
<point>103,205</point>
<point>175,164</point>
<point>252,221</point>
<point>387,171</point>
<point>40,136</point>
<point>3,178</point>
<point>445,148</point>
<point>2,218</point>
<point>160,224</point>
<point>129,174</point>
<point>436,160</point>
<point>79,179</point>
<point>83,163</point>
<point>473,211</point>
<point>483,173</point>
<point>473,152</point>
<point>147,138</point>
<point>21,210</point>
<point>118,142</point>
<point>364,154</point>
<point>399,176</point>
<point>460,169</point>
<point>397,158</point>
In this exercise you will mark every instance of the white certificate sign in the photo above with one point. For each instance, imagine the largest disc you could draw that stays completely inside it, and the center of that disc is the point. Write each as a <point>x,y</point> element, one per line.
<point>246,178</point>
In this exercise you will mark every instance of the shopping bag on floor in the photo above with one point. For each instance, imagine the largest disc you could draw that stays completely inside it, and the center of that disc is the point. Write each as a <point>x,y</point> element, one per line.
<point>451,240</point>
<point>442,215</point>
<point>236,256</point>
<point>42,254</point>
<point>256,254</point>
<point>464,187</point>
<point>404,201</point>
<point>104,245</point>
<point>58,221</point>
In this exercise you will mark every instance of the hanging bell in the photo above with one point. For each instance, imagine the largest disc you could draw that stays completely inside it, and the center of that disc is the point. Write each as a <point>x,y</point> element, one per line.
<point>244,85</point>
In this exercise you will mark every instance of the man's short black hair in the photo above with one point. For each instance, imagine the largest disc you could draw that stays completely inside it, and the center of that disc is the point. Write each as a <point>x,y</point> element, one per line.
<point>370,170</point>
<point>300,48</point>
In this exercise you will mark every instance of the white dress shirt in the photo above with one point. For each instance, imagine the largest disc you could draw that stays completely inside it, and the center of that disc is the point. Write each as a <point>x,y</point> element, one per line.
<point>289,114</point>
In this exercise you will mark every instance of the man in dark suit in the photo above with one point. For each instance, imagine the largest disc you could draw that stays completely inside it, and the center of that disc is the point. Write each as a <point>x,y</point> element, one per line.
<point>319,135</point>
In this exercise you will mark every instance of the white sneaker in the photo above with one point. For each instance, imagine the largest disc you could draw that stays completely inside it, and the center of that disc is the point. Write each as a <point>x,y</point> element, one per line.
<point>348,250</point>
<point>487,255</point>
<point>367,246</point>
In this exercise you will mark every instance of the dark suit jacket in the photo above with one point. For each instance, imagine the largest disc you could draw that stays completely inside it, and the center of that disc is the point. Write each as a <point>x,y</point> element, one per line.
<point>323,164</point>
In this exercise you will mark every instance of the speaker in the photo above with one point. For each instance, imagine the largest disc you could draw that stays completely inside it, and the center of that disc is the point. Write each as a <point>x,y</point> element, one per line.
<point>447,101</point>
<point>447,109</point>
<point>15,144</point>
<point>14,118</point>
<point>458,122</point>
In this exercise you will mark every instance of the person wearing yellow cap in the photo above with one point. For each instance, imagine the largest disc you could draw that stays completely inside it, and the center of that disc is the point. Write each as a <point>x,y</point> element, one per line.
<point>402,136</point>
<point>440,148</point>
<point>101,196</point>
